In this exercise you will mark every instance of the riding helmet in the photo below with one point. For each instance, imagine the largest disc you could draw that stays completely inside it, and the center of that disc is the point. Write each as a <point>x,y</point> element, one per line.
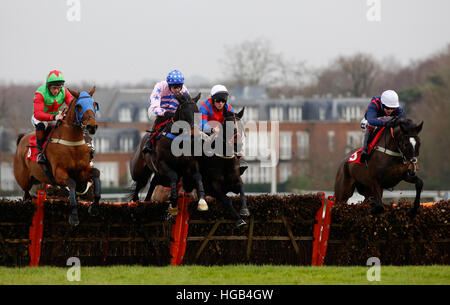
<point>389,98</point>
<point>219,92</point>
<point>175,77</point>
<point>55,78</point>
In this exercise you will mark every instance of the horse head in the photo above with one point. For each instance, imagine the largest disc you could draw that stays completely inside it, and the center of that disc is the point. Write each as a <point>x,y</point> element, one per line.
<point>187,107</point>
<point>407,139</point>
<point>84,109</point>
<point>233,128</point>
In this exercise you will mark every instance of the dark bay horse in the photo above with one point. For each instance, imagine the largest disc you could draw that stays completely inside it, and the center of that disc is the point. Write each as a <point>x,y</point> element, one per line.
<point>393,160</point>
<point>67,153</point>
<point>221,171</point>
<point>169,169</point>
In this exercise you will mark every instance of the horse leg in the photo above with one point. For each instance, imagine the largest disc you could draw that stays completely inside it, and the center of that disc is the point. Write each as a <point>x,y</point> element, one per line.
<point>73,217</point>
<point>419,185</point>
<point>378,207</point>
<point>202,205</point>
<point>228,203</point>
<point>344,185</point>
<point>173,198</point>
<point>94,207</point>
<point>244,210</point>
<point>153,183</point>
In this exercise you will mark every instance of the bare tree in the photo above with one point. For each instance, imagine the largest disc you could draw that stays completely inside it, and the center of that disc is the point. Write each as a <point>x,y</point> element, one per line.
<point>251,63</point>
<point>353,75</point>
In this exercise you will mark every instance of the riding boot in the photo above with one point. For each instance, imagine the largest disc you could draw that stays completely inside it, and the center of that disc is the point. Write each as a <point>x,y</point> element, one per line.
<point>364,153</point>
<point>40,140</point>
<point>148,148</point>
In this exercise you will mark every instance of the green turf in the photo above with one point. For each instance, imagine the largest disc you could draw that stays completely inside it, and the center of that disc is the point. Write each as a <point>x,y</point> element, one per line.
<point>222,275</point>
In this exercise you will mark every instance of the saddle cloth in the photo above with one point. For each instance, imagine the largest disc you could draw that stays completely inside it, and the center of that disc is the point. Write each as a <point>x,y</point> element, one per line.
<point>32,153</point>
<point>156,135</point>
<point>356,156</point>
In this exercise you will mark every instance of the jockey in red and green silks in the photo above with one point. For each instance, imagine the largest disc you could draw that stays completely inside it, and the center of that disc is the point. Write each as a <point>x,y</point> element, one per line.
<point>48,100</point>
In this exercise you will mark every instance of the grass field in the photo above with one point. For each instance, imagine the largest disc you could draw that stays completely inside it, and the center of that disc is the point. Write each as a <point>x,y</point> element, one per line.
<point>227,275</point>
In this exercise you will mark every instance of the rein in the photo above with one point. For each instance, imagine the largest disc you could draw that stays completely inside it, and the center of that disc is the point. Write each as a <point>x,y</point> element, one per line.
<point>398,153</point>
<point>78,123</point>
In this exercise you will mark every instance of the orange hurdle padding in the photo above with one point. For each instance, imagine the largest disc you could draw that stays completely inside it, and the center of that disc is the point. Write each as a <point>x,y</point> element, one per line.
<point>322,230</point>
<point>36,230</point>
<point>180,230</point>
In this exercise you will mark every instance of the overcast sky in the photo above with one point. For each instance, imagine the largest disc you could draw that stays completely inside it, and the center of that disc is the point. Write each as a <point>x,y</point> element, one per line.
<point>135,40</point>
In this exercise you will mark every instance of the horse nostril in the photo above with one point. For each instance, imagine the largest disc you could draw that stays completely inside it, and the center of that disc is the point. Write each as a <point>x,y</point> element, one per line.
<point>92,129</point>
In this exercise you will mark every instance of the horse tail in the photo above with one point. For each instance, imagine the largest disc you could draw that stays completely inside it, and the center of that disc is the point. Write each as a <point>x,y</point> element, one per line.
<point>19,138</point>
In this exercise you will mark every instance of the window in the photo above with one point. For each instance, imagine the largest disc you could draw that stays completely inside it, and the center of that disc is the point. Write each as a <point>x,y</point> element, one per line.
<point>265,174</point>
<point>251,113</point>
<point>102,145</point>
<point>143,115</point>
<point>331,135</point>
<point>351,113</point>
<point>303,145</point>
<point>109,173</point>
<point>322,113</point>
<point>285,145</point>
<point>285,172</point>
<point>354,140</point>
<point>251,146</point>
<point>251,175</point>
<point>125,114</point>
<point>126,144</point>
<point>295,114</point>
<point>276,113</point>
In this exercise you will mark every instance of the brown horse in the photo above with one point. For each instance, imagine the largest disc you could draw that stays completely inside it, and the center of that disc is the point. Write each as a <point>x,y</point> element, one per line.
<point>392,161</point>
<point>67,153</point>
<point>167,168</point>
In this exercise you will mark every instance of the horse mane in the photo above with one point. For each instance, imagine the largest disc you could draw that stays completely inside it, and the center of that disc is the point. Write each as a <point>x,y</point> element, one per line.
<point>406,125</point>
<point>19,138</point>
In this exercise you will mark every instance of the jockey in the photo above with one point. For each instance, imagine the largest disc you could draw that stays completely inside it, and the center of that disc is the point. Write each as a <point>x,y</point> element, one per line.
<point>48,100</point>
<point>380,106</point>
<point>211,110</point>
<point>163,103</point>
<point>212,117</point>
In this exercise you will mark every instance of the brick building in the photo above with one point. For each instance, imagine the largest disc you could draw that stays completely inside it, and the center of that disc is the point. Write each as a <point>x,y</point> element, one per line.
<point>311,131</point>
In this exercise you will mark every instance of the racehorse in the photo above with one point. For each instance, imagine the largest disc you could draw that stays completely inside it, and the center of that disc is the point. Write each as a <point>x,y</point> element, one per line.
<point>392,161</point>
<point>221,171</point>
<point>67,153</point>
<point>167,167</point>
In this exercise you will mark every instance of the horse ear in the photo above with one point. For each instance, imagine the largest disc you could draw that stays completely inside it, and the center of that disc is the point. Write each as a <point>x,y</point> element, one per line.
<point>196,98</point>
<point>74,93</point>
<point>240,114</point>
<point>92,91</point>
<point>419,127</point>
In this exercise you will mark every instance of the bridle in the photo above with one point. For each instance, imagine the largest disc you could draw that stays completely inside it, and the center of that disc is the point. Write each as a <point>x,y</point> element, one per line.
<point>412,162</point>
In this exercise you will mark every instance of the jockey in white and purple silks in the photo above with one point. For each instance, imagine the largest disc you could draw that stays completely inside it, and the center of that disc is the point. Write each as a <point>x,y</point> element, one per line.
<point>163,103</point>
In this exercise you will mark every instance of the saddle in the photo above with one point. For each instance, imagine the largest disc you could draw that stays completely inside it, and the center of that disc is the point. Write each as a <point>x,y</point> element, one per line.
<point>156,133</point>
<point>375,137</point>
<point>33,156</point>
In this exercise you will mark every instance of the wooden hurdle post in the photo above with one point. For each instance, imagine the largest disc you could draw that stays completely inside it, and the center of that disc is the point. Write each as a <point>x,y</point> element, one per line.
<point>322,230</point>
<point>36,229</point>
<point>180,229</point>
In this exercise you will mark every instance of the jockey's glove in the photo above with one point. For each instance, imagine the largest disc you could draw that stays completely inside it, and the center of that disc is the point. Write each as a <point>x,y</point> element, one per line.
<point>390,124</point>
<point>168,114</point>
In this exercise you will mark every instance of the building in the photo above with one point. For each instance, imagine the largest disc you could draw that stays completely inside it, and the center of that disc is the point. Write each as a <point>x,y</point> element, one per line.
<point>310,129</point>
